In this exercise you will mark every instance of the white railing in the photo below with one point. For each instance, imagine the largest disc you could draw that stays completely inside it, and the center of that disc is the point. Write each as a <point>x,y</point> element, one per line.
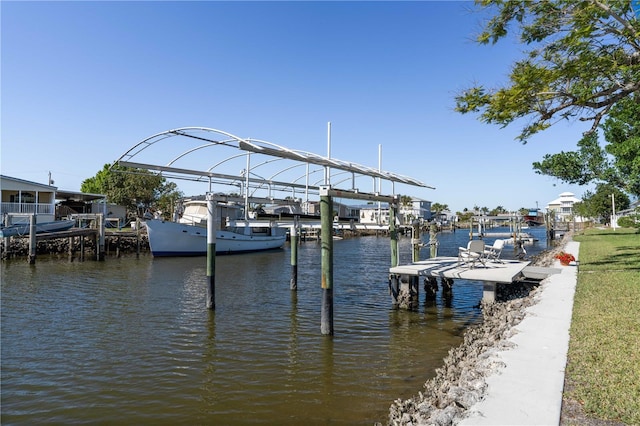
<point>29,208</point>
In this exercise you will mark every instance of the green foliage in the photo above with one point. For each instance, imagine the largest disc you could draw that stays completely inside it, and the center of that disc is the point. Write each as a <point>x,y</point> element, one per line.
<point>437,208</point>
<point>591,163</point>
<point>584,58</point>
<point>599,205</point>
<point>135,189</point>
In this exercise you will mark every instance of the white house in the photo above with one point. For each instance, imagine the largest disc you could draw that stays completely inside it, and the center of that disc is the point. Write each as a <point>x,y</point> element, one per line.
<point>22,198</point>
<point>563,207</point>
<point>418,209</point>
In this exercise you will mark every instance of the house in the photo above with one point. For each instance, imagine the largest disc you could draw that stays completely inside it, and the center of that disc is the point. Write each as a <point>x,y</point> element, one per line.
<point>22,198</point>
<point>417,209</point>
<point>563,207</point>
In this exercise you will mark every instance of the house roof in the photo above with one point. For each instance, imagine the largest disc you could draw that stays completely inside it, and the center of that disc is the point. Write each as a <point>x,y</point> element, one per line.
<point>23,182</point>
<point>78,196</point>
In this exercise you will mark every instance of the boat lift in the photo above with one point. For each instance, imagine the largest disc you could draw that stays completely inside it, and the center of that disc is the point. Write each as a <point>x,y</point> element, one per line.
<point>187,144</point>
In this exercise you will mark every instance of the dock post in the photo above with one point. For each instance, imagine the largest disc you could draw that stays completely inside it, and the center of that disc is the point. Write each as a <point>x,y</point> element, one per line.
<point>326,219</point>
<point>101,232</point>
<point>415,241</point>
<point>430,288</point>
<point>433,241</point>
<point>489,292</point>
<point>138,224</point>
<point>294,255</point>
<point>32,239</point>
<point>211,252</point>
<point>394,289</point>
<point>393,233</point>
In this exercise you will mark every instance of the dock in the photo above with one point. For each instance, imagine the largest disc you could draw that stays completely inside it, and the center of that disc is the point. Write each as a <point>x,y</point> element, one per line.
<point>404,279</point>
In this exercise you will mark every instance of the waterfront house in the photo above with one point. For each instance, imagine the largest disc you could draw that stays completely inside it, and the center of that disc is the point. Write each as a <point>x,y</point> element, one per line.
<point>562,207</point>
<point>22,198</point>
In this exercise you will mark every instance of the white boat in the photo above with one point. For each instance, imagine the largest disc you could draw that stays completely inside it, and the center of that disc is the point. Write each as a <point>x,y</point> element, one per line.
<point>23,228</point>
<point>188,236</point>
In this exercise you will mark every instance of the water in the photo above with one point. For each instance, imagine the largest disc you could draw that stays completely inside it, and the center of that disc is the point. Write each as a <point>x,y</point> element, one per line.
<point>129,340</point>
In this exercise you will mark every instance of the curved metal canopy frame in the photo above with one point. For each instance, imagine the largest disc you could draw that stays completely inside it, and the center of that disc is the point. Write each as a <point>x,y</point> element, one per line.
<point>214,137</point>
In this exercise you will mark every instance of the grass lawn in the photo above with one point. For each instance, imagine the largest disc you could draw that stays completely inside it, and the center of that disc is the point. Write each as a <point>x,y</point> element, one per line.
<point>604,349</point>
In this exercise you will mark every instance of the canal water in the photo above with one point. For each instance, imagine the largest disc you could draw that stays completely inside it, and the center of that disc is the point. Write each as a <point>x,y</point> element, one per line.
<point>129,340</point>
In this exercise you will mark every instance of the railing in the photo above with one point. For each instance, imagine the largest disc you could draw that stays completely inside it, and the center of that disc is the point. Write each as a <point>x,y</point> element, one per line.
<point>29,208</point>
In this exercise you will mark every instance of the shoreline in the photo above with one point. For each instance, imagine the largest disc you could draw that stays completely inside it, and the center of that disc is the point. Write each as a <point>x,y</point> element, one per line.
<point>460,383</point>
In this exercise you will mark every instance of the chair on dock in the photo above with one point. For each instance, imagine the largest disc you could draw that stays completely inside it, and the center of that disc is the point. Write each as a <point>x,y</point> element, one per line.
<point>492,253</point>
<point>472,254</point>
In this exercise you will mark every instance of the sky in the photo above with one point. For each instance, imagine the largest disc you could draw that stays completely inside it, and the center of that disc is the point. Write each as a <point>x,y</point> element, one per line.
<point>83,82</point>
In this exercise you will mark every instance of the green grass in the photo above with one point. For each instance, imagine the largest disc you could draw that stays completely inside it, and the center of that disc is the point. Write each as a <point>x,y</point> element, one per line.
<point>604,350</point>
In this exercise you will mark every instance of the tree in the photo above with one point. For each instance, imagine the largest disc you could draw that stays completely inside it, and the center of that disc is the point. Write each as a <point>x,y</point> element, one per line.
<point>136,189</point>
<point>599,205</point>
<point>617,164</point>
<point>438,208</point>
<point>584,59</point>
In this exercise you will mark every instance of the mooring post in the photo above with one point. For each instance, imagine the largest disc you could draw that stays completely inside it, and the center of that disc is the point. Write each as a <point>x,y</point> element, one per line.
<point>138,224</point>
<point>393,233</point>
<point>326,219</point>
<point>32,239</point>
<point>471,228</point>
<point>101,232</point>
<point>433,241</point>
<point>415,241</point>
<point>211,252</point>
<point>294,254</point>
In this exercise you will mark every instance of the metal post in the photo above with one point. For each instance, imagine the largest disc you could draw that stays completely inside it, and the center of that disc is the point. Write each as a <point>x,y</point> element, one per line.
<point>294,254</point>
<point>211,252</point>
<point>326,219</point>
<point>393,234</point>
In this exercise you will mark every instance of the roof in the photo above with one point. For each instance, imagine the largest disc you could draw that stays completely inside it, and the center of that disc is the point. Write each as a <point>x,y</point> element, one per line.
<point>78,196</point>
<point>24,182</point>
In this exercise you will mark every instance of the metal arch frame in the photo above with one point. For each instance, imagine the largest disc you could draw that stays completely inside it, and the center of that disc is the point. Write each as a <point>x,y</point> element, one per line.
<point>249,146</point>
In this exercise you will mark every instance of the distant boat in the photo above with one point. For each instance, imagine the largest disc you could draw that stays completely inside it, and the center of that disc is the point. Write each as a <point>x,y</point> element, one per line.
<point>188,236</point>
<point>20,229</point>
<point>534,218</point>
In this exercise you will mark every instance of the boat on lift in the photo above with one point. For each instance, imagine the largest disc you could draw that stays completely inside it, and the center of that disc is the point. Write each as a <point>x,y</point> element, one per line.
<point>234,234</point>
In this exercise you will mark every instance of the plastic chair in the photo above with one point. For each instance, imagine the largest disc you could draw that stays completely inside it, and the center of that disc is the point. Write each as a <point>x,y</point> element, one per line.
<point>492,253</point>
<point>473,254</point>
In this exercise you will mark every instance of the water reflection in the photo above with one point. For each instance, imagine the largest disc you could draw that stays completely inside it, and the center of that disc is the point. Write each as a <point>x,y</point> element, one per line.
<point>129,340</point>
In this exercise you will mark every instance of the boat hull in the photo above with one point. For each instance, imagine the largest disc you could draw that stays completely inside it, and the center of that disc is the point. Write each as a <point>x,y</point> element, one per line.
<point>20,229</point>
<point>176,239</point>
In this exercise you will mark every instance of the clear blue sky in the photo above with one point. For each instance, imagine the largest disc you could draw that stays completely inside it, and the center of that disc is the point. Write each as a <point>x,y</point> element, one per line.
<point>82,82</point>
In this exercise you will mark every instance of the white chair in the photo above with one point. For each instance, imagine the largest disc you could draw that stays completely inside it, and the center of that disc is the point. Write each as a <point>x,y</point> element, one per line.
<point>472,254</point>
<point>492,253</point>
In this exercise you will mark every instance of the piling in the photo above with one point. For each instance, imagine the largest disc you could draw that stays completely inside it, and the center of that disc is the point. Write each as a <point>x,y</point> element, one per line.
<point>32,239</point>
<point>415,241</point>
<point>433,241</point>
<point>211,252</point>
<point>294,255</point>
<point>326,218</point>
<point>100,245</point>
<point>393,234</point>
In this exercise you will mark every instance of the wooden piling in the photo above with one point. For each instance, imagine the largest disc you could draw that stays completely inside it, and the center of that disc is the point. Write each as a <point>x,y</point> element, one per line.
<point>211,252</point>
<point>395,261</point>
<point>294,255</point>
<point>415,241</point>
<point>100,240</point>
<point>326,236</point>
<point>32,239</point>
